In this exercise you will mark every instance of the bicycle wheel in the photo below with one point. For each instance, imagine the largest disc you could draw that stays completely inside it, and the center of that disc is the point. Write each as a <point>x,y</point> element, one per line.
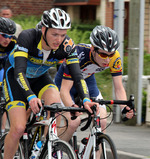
<point>106,147</point>
<point>19,152</point>
<point>59,145</point>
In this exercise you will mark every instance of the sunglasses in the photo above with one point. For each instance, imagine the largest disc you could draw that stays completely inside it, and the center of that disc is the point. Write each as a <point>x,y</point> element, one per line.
<point>105,56</point>
<point>6,35</point>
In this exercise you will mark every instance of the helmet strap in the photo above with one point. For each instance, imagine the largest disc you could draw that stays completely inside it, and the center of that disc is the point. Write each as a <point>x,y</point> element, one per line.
<point>93,56</point>
<point>44,37</point>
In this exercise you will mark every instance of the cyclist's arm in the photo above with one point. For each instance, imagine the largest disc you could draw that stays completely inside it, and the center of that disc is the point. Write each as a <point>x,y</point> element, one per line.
<point>120,93</point>
<point>119,88</point>
<point>20,74</point>
<point>66,86</point>
<point>116,71</point>
<point>79,82</point>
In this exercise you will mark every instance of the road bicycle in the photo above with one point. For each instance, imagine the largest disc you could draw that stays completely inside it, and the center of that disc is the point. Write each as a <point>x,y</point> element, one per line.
<point>51,145</point>
<point>97,141</point>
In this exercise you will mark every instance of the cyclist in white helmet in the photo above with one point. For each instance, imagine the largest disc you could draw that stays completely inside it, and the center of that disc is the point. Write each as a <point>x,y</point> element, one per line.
<point>101,55</point>
<point>28,80</point>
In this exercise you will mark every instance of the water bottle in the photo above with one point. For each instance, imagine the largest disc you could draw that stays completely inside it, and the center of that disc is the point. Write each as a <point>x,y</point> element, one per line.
<point>82,146</point>
<point>36,150</point>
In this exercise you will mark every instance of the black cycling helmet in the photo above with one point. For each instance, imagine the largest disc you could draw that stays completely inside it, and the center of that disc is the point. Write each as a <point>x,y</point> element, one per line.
<point>7,26</point>
<point>56,18</point>
<point>104,38</point>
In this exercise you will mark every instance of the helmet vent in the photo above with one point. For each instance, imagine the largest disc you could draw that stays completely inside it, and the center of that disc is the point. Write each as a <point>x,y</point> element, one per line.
<point>62,22</point>
<point>59,12</point>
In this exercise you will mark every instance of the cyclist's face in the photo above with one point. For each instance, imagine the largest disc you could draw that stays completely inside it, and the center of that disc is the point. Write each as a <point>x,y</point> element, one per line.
<point>102,57</point>
<point>55,37</point>
<point>4,42</point>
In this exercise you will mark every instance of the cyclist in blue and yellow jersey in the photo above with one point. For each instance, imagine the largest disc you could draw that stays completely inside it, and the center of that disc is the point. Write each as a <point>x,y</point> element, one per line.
<point>101,54</point>
<point>7,44</point>
<point>26,77</point>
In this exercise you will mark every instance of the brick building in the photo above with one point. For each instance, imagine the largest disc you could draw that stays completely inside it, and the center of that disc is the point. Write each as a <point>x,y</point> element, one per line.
<point>27,7</point>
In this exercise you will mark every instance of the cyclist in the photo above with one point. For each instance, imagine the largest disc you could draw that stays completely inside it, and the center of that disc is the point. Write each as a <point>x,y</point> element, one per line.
<point>7,44</point>
<point>101,55</point>
<point>26,77</point>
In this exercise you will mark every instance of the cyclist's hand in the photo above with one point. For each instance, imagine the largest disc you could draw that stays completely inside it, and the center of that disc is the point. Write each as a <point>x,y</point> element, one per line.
<point>128,111</point>
<point>76,114</point>
<point>87,106</point>
<point>34,104</point>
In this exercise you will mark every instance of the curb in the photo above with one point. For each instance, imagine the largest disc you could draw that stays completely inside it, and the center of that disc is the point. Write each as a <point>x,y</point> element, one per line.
<point>126,155</point>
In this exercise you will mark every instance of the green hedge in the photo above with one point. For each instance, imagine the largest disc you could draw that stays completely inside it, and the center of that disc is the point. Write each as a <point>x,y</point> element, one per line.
<point>27,22</point>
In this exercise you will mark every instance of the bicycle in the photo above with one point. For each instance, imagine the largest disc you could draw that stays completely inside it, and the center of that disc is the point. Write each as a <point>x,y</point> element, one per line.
<point>54,144</point>
<point>51,145</point>
<point>97,140</point>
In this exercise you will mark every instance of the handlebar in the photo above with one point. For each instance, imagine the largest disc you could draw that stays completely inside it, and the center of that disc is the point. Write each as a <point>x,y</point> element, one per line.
<point>57,107</point>
<point>129,103</point>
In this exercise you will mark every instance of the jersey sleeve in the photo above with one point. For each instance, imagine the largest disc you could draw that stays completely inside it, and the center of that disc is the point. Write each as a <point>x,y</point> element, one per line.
<point>116,65</point>
<point>74,71</point>
<point>20,66</point>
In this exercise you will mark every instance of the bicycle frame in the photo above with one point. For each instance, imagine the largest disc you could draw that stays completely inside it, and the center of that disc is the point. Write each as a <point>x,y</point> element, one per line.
<point>91,145</point>
<point>52,133</point>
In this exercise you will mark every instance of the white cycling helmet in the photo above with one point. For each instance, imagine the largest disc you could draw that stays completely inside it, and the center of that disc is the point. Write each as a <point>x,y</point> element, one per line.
<point>56,18</point>
<point>104,38</point>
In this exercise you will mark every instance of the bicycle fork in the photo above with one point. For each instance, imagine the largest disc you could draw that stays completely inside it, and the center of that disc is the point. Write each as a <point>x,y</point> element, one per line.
<point>92,145</point>
<point>52,138</point>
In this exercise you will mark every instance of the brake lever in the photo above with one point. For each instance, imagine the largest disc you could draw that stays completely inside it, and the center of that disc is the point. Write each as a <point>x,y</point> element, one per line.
<point>41,109</point>
<point>131,105</point>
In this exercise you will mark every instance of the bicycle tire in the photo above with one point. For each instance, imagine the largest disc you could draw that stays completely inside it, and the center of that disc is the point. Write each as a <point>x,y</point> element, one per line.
<point>19,154</point>
<point>67,151</point>
<point>108,149</point>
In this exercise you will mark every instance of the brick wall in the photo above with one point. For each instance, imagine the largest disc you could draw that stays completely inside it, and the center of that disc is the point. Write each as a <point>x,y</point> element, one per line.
<point>109,14</point>
<point>147,26</point>
<point>28,7</point>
